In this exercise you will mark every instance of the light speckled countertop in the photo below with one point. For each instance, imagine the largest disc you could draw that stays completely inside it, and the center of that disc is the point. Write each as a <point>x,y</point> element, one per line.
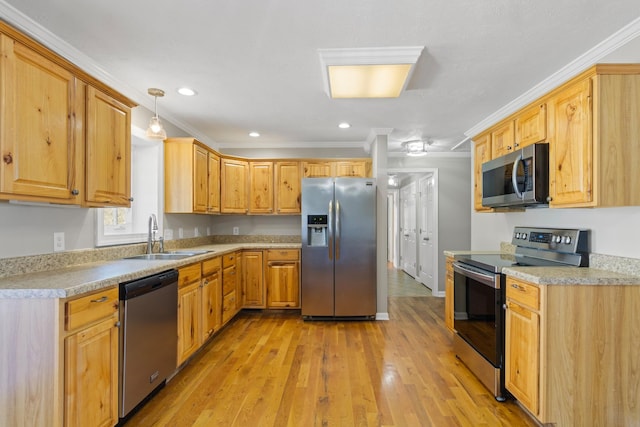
<point>83,278</point>
<point>570,276</point>
<point>603,270</point>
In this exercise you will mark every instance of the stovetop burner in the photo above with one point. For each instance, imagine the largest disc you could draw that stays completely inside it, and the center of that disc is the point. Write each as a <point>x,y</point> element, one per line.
<point>537,247</point>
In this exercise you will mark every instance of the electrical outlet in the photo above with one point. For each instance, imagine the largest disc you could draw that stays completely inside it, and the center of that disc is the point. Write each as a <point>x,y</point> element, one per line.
<point>168,234</point>
<point>180,233</point>
<point>236,231</point>
<point>208,231</point>
<point>58,241</point>
<point>196,232</point>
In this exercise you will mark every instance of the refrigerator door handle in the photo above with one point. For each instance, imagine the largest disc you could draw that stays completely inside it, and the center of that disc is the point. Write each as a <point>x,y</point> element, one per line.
<point>337,229</point>
<point>330,245</point>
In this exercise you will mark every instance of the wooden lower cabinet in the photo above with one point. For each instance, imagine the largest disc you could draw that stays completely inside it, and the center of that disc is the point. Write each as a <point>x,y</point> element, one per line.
<point>211,297</point>
<point>252,280</point>
<point>283,278</point>
<point>230,281</point>
<point>91,375</point>
<point>91,346</point>
<point>189,309</point>
<point>571,352</point>
<point>448,294</point>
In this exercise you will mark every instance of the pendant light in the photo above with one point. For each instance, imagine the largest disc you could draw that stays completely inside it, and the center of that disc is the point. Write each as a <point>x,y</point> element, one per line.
<point>416,148</point>
<point>155,129</point>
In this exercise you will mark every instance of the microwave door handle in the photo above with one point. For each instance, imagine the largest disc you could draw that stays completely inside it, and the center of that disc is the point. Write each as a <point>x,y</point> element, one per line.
<point>514,177</point>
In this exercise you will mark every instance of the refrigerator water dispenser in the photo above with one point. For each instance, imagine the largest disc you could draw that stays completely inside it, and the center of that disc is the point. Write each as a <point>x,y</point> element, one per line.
<point>317,230</point>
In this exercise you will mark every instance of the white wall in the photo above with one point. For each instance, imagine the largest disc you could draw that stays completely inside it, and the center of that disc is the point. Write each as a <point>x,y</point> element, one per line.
<point>614,231</point>
<point>454,202</point>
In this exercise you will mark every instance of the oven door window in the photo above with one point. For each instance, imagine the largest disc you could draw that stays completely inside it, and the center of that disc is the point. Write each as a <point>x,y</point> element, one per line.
<point>477,316</point>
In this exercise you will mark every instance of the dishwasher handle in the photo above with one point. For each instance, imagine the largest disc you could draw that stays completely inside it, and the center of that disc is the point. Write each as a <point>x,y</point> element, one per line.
<point>139,287</point>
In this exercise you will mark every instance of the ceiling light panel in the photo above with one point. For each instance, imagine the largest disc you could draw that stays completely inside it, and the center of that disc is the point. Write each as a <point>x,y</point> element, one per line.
<point>368,72</point>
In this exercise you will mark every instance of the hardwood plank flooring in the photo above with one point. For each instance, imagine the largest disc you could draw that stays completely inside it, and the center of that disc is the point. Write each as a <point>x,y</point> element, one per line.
<point>274,369</point>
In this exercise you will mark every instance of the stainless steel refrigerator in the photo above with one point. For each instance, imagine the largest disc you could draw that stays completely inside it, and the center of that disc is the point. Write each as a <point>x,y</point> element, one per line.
<point>338,265</point>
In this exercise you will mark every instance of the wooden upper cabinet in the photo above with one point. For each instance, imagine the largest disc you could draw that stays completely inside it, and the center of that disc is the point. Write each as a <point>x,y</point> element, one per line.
<point>531,125</point>
<point>502,139</point>
<point>482,154</point>
<point>40,147</point>
<point>234,182</point>
<point>319,169</point>
<point>108,151</point>
<point>260,187</point>
<point>188,176</point>
<point>200,179</point>
<point>571,156</point>
<point>213,201</point>
<point>355,168</point>
<point>288,187</point>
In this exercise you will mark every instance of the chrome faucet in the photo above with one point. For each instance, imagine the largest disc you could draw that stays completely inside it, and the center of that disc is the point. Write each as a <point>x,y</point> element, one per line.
<point>153,229</point>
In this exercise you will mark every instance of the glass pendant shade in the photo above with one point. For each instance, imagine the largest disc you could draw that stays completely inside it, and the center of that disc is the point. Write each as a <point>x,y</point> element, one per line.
<point>155,129</point>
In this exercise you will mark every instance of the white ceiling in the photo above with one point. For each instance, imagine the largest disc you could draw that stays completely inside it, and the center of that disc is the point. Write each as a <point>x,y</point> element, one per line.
<point>255,66</point>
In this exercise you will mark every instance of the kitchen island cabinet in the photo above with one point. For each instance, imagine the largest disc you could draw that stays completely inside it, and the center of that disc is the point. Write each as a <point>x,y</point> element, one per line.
<point>572,353</point>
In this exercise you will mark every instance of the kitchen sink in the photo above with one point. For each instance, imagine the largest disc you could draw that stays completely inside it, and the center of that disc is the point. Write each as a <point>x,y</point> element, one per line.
<point>173,255</point>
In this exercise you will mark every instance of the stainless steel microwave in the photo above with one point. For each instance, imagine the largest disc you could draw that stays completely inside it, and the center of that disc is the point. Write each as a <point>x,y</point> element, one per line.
<point>520,178</point>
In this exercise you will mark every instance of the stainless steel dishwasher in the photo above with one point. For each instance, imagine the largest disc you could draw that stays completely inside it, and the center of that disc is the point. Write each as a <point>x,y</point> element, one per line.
<point>148,337</point>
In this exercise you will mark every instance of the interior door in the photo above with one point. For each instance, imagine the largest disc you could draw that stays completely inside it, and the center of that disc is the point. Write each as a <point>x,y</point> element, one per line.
<point>408,246</point>
<point>426,230</point>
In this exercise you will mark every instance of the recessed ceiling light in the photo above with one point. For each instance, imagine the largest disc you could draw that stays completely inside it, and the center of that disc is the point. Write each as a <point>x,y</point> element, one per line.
<point>186,91</point>
<point>254,134</point>
<point>344,125</point>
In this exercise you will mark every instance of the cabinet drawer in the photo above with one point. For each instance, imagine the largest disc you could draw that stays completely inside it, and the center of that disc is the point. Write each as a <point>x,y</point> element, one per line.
<point>188,274</point>
<point>283,255</point>
<point>229,259</point>
<point>228,306</point>
<point>87,309</point>
<point>211,266</point>
<point>523,293</point>
<point>229,280</point>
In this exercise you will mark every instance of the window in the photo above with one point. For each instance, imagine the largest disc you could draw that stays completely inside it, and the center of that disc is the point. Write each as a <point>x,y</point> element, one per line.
<point>130,225</point>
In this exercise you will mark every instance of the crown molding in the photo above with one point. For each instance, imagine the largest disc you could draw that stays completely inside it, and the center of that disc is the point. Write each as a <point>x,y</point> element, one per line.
<point>575,67</point>
<point>36,31</point>
<point>290,144</point>
<point>433,154</point>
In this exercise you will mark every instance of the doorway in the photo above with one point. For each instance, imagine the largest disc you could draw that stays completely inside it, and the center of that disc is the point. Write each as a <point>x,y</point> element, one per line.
<point>413,224</point>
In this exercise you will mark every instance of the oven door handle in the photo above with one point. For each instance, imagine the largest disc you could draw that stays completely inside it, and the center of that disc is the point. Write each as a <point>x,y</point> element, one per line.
<point>477,274</point>
<point>514,177</point>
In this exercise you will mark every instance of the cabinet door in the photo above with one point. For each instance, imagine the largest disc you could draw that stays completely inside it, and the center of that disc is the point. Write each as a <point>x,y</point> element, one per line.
<point>283,284</point>
<point>571,148</point>
<point>189,335</point>
<point>317,169</point>
<point>448,298</point>
<point>200,179</point>
<point>211,304</point>
<point>482,153</point>
<point>502,139</point>
<point>40,153</point>
<point>91,376</point>
<point>252,280</point>
<point>108,151</point>
<point>261,187</point>
<point>288,187</point>
<point>531,126</point>
<point>354,168</point>
<point>522,358</point>
<point>234,178</point>
<point>213,201</point>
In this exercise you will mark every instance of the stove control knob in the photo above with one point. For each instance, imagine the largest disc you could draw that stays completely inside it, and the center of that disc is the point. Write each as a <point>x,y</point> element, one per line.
<point>524,236</point>
<point>566,240</point>
<point>517,235</point>
<point>555,239</point>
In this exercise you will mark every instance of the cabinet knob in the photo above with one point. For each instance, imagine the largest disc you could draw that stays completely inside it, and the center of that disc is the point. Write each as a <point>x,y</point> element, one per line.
<point>131,199</point>
<point>8,158</point>
<point>75,192</point>
<point>549,198</point>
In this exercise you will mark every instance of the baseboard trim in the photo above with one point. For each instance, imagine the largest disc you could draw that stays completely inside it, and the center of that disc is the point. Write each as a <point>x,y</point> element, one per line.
<point>382,316</point>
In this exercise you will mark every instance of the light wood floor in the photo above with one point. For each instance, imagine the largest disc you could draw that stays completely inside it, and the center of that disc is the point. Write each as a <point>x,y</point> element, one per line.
<point>274,369</point>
